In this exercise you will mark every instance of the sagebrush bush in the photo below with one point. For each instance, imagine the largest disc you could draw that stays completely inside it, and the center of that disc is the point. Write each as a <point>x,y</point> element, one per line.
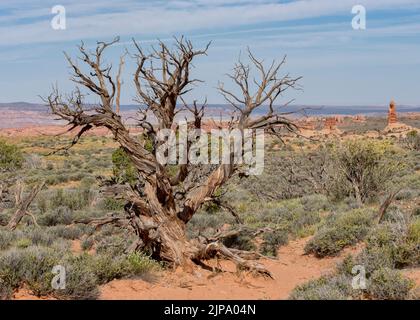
<point>59,215</point>
<point>242,241</point>
<point>325,288</point>
<point>272,241</point>
<point>65,232</point>
<point>341,230</point>
<point>6,238</point>
<point>396,241</point>
<point>362,168</point>
<point>73,199</point>
<point>11,156</point>
<point>6,291</point>
<point>81,281</point>
<point>207,223</point>
<point>389,284</point>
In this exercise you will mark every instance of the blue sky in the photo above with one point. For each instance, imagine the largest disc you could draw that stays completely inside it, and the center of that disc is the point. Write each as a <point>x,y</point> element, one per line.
<point>339,65</point>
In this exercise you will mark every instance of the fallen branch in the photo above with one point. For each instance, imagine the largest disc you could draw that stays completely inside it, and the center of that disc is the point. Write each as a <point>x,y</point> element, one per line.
<point>23,205</point>
<point>385,205</point>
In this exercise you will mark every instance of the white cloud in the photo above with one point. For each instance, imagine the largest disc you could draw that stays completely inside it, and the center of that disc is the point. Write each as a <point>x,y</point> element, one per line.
<point>102,19</point>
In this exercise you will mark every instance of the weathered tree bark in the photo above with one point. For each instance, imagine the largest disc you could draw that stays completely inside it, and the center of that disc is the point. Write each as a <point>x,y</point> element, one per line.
<point>161,204</point>
<point>385,205</point>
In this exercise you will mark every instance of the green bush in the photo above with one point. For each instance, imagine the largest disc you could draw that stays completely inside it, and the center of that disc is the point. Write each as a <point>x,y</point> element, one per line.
<point>6,291</point>
<point>81,281</point>
<point>73,199</point>
<point>59,215</point>
<point>388,284</point>
<point>362,168</point>
<point>412,140</point>
<point>112,204</point>
<point>242,241</point>
<point>272,241</point>
<point>6,238</point>
<point>65,232</point>
<point>123,169</point>
<point>11,157</point>
<point>324,288</point>
<point>87,244</point>
<point>396,241</point>
<point>340,231</point>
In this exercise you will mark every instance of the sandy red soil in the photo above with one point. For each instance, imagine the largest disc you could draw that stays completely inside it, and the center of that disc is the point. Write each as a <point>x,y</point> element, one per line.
<point>291,268</point>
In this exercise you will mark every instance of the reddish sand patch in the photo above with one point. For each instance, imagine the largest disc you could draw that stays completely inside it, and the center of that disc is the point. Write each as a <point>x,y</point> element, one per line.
<point>291,269</point>
<point>26,294</point>
<point>76,246</point>
<point>413,274</point>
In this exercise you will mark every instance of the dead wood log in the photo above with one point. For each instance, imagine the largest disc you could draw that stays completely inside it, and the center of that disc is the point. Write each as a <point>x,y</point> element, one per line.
<point>23,205</point>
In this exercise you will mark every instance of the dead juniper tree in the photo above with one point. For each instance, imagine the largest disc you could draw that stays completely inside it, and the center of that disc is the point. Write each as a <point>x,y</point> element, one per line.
<point>162,203</point>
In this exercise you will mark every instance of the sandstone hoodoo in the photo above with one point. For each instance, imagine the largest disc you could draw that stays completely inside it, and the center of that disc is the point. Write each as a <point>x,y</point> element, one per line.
<point>392,114</point>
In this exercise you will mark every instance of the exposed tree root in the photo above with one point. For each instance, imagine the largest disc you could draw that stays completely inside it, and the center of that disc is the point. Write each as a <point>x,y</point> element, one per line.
<point>183,253</point>
<point>218,249</point>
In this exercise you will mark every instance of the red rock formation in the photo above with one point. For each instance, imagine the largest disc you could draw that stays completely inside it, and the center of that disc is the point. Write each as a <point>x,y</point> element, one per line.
<point>330,123</point>
<point>392,114</point>
<point>359,118</point>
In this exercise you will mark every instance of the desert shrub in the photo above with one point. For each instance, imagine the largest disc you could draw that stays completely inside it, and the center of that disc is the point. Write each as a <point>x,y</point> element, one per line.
<point>388,284</point>
<point>38,265</point>
<point>59,215</point>
<point>241,241</point>
<point>272,241</point>
<point>139,264</point>
<point>33,161</point>
<point>315,202</point>
<point>114,245</point>
<point>37,236</point>
<point>406,194</point>
<point>87,244</point>
<point>396,241</point>
<point>286,175</point>
<point>65,232</point>
<point>81,281</point>
<point>123,169</point>
<point>207,223</point>
<point>73,199</point>
<point>107,268</point>
<point>6,238</point>
<point>32,265</point>
<point>12,268</point>
<point>11,157</point>
<point>362,168</point>
<point>42,203</point>
<point>112,204</point>
<point>288,215</point>
<point>374,259</point>
<point>340,230</point>
<point>23,243</point>
<point>6,291</point>
<point>412,140</point>
<point>408,251</point>
<point>325,288</point>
